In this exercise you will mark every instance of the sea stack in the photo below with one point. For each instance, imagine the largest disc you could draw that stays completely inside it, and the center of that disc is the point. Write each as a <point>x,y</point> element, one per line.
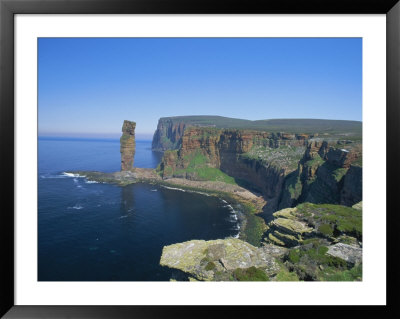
<point>127,145</point>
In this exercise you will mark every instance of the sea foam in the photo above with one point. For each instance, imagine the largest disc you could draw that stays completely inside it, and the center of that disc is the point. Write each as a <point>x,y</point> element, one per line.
<point>174,188</point>
<point>71,175</point>
<point>91,182</point>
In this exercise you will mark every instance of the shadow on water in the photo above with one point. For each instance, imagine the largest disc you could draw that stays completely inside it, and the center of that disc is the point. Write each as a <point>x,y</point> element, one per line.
<point>127,201</point>
<point>128,206</point>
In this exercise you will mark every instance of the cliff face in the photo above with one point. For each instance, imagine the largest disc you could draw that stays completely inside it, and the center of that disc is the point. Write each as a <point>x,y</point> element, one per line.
<point>286,168</point>
<point>127,145</point>
<point>168,135</point>
<point>257,160</point>
<point>351,191</point>
<point>329,172</point>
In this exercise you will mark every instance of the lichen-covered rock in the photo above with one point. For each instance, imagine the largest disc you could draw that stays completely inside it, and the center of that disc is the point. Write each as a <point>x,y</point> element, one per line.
<point>210,260</point>
<point>127,147</point>
<point>349,253</point>
<point>274,250</point>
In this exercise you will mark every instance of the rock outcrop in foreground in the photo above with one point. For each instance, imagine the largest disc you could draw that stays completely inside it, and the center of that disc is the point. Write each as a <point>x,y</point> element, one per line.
<point>321,243</point>
<point>221,259</point>
<point>128,145</point>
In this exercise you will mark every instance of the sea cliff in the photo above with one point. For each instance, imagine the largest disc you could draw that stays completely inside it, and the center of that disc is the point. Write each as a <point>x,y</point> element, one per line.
<point>286,168</point>
<point>169,132</point>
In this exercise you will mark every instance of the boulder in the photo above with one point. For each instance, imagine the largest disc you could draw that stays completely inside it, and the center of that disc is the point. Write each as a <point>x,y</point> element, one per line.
<point>349,253</point>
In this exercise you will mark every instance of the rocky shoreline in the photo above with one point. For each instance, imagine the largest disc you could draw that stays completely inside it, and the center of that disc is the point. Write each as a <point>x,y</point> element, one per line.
<point>147,175</point>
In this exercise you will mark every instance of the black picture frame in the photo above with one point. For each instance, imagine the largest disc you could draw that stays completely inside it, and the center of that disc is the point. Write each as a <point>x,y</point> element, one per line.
<point>8,8</point>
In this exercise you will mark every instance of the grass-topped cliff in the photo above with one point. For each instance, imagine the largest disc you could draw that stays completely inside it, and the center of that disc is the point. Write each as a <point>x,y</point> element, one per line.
<point>286,168</point>
<point>170,129</point>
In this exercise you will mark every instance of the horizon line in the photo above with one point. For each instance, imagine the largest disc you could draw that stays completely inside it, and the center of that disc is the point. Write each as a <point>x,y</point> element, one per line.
<point>86,138</point>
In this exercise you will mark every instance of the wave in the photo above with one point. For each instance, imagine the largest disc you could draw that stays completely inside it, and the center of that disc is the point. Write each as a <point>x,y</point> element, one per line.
<point>233,218</point>
<point>174,188</point>
<point>185,190</point>
<point>71,175</point>
<point>236,227</point>
<point>91,182</point>
<point>154,190</point>
<point>50,176</point>
<point>77,206</point>
<point>205,194</point>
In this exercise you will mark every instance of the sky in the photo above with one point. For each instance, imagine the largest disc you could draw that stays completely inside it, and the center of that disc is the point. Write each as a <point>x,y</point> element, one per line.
<point>87,87</point>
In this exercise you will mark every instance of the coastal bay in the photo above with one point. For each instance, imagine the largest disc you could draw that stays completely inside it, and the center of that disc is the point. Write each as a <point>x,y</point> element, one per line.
<point>95,231</point>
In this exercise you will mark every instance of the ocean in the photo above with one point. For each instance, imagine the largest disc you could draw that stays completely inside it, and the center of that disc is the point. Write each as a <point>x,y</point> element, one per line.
<point>100,232</point>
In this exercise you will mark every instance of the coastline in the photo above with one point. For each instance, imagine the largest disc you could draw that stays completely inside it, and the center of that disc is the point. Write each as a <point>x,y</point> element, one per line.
<point>249,204</point>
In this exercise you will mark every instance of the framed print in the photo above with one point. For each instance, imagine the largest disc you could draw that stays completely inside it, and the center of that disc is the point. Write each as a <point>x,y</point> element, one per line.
<point>165,155</point>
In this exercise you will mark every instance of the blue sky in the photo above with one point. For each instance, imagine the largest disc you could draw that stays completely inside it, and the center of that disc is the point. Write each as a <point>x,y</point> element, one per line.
<point>87,87</point>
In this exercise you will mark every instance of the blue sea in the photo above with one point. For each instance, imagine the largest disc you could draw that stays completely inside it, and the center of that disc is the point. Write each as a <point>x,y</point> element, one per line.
<point>101,232</point>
